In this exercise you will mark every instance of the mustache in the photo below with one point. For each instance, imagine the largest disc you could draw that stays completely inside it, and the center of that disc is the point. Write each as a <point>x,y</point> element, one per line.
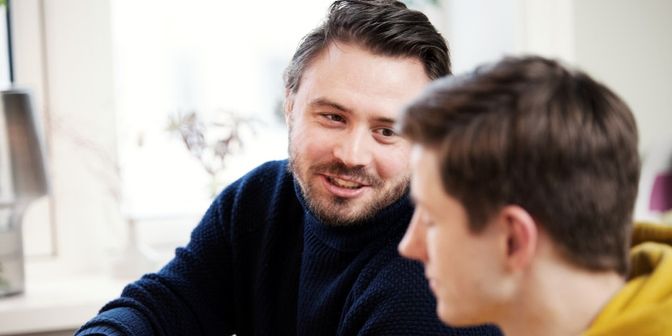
<point>339,168</point>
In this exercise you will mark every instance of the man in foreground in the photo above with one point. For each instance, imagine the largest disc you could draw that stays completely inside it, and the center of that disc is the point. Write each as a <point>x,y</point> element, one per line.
<point>525,176</point>
<point>308,246</point>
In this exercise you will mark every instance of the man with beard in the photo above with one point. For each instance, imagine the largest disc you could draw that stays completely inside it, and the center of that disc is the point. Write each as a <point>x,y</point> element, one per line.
<point>308,246</point>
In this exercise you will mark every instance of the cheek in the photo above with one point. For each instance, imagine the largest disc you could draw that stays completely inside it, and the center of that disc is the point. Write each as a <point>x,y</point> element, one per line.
<point>450,261</point>
<point>393,162</point>
<point>439,251</point>
<point>309,143</point>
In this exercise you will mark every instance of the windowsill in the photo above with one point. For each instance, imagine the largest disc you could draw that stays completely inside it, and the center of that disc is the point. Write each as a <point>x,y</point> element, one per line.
<point>54,302</point>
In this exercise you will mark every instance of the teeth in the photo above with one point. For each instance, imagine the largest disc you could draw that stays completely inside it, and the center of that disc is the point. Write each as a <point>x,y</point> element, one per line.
<point>344,184</point>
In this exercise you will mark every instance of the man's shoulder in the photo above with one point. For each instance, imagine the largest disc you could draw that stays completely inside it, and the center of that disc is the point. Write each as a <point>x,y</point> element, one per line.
<point>390,272</point>
<point>265,179</point>
<point>270,170</point>
<point>263,195</point>
<point>389,277</point>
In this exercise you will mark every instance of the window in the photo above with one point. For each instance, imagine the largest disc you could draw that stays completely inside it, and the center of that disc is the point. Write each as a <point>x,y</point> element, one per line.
<point>222,61</point>
<point>109,77</point>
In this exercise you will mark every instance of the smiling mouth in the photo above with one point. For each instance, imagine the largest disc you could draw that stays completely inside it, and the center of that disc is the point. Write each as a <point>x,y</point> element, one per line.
<point>341,183</point>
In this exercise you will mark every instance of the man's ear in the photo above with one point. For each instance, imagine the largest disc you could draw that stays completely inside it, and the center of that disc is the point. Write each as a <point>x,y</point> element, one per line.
<point>288,105</point>
<point>521,233</point>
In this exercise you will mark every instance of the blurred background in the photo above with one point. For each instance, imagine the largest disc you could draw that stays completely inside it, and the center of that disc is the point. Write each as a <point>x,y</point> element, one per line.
<point>147,108</point>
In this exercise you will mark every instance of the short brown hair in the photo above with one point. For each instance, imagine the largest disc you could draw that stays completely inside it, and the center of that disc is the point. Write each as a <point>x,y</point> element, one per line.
<point>530,132</point>
<point>384,27</point>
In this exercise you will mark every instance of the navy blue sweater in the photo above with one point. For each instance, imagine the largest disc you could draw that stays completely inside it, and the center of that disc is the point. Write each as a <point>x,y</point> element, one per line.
<point>259,263</point>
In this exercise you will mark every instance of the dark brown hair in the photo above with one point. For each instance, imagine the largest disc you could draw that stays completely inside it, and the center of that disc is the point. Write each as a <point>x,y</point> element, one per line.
<point>383,27</point>
<point>530,132</point>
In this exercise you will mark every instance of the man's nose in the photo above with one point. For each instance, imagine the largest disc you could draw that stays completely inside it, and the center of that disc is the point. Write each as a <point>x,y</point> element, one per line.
<point>355,148</point>
<point>413,245</point>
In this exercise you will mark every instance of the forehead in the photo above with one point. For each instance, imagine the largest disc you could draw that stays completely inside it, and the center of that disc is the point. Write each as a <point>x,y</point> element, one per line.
<point>362,81</point>
<point>427,187</point>
<point>426,183</point>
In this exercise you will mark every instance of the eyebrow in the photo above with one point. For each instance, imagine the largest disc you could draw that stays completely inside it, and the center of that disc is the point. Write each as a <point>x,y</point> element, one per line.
<point>322,101</point>
<point>384,120</point>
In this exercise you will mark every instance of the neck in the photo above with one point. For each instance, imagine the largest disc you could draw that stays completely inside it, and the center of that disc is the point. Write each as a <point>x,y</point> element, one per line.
<point>561,300</point>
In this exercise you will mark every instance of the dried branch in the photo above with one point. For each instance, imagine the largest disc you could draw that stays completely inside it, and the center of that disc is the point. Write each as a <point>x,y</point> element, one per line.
<point>213,143</point>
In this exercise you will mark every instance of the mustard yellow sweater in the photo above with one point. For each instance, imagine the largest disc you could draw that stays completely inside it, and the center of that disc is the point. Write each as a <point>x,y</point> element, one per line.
<point>644,306</point>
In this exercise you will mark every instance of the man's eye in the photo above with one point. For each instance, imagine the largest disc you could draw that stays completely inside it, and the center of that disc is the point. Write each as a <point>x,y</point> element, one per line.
<point>334,117</point>
<point>386,132</point>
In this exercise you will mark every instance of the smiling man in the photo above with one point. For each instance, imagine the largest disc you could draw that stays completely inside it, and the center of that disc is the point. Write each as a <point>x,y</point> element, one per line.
<point>525,175</point>
<point>307,246</point>
<point>349,162</point>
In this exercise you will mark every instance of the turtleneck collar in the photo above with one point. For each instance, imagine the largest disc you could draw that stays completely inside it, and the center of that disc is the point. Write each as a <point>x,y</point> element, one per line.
<point>392,218</point>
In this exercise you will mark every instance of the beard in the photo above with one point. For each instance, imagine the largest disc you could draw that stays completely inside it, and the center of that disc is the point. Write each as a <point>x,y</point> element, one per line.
<point>338,211</point>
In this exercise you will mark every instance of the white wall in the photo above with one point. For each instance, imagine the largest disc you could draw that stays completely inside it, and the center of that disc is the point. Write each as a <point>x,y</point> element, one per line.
<point>483,31</point>
<point>624,43</point>
<point>480,31</point>
<point>627,44</point>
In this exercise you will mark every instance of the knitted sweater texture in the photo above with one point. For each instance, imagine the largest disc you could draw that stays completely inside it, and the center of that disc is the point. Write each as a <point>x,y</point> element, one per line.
<point>259,263</point>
